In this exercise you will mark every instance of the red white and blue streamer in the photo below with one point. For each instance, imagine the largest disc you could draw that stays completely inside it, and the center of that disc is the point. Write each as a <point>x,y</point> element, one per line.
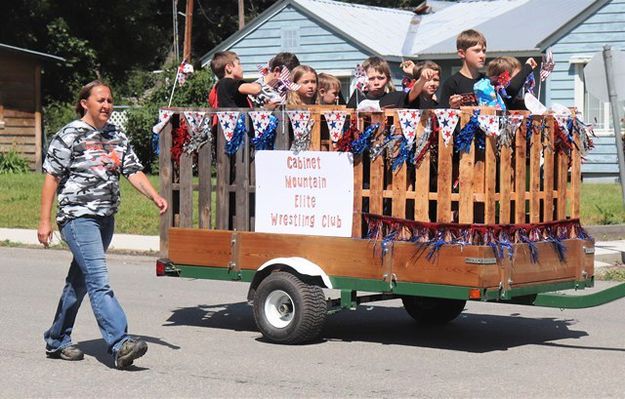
<point>265,125</point>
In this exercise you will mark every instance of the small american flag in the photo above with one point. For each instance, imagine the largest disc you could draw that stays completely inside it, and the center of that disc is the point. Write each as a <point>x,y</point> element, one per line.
<point>547,65</point>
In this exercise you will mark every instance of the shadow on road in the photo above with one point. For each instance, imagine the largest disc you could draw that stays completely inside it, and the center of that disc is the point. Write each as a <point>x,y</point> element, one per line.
<point>97,349</point>
<point>470,332</point>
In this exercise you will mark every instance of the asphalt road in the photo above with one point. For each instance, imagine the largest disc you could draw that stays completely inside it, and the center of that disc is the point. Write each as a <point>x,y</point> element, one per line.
<point>203,343</point>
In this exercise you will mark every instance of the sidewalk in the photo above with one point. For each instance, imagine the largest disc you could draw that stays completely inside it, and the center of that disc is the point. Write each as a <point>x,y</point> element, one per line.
<point>607,253</point>
<point>122,242</point>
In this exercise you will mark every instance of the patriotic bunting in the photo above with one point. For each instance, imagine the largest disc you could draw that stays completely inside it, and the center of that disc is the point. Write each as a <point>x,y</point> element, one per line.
<point>198,124</point>
<point>447,121</point>
<point>228,121</point>
<point>409,120</point>
<point>265,125</point>
<point>489,124</point>
<point>335,121</point>
<point>233,127</point>
<point>301,124</point>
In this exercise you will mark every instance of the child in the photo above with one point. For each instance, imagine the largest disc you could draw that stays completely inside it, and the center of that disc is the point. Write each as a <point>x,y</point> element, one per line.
<point>458,89</point>
<point>227,91</point>
<point>329,89</point>
<point>518,75</point>
<point>266,92</point>
<point>427,98</point>
<point>380,90</point>
<point>306,78</point>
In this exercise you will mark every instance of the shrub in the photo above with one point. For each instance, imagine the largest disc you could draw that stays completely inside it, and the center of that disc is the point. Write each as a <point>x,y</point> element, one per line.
<point>12,162</point>
<point>139,130</point>
<point>56,115</point>
<point>194,93</point>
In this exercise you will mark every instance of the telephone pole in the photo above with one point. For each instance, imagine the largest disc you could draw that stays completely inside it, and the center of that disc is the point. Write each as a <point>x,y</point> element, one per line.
<point>188,22</point>
<point>241,14</point>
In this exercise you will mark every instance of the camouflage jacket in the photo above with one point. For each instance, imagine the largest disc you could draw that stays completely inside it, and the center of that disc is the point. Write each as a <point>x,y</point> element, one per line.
<point>88,163</point>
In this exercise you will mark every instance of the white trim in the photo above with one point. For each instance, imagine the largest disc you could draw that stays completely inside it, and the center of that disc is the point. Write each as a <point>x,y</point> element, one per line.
<point>301,265</point>
<point>578,93</point>
<point>580,59</point>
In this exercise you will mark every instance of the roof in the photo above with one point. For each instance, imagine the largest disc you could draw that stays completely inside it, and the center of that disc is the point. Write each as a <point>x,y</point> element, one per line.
<point>30,53</point>
<point>510,26</point>
<point>523,28</point>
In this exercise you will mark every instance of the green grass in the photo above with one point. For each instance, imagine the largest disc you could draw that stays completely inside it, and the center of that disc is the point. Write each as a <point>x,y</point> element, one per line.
<point>601,204</point>
<point>20,197</point>
<point>611,273</point>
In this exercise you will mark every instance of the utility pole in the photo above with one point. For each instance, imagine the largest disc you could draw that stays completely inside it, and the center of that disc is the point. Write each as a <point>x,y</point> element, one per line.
<point>174,9</point>
<point>616,121</point>
<point>188,22</point>
<point>241,14</point>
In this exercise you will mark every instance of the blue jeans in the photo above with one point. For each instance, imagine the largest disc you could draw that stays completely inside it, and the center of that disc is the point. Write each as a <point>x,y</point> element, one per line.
<point>88,238</point>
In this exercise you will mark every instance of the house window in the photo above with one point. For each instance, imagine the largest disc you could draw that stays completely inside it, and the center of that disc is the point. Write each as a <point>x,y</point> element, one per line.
<point>290,39</point>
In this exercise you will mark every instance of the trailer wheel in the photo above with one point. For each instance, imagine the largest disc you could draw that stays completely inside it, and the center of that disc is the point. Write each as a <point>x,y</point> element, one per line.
<point>289,311</point>
<point>427,310</point>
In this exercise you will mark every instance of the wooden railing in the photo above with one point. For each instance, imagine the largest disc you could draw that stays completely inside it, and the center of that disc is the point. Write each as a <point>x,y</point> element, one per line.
<point>528,182</point>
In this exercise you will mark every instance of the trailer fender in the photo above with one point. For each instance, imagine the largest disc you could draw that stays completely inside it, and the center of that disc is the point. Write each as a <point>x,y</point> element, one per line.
<point>295,265</point>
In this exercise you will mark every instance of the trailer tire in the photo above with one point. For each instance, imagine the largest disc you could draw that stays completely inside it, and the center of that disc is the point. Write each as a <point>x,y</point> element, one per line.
<point>426,310</point>
<point>289,311</point>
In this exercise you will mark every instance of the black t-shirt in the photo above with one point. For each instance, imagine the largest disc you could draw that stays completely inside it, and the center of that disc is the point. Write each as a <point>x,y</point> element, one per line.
<point>228,95</point>
<point>423,102</point>
<point>457,84</point>
<point>515,87</point>
<point>393,99</point>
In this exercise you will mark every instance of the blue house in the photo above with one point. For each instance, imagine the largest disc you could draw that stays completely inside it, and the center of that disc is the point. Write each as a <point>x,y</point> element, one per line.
<point>334,37</point>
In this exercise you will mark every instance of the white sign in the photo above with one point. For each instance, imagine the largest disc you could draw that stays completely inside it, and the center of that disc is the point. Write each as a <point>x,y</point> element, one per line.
<point>595,75</point>
<point>310,192</point>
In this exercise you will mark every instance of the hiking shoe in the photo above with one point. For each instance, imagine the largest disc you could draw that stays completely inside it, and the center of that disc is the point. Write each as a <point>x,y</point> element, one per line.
<point>131,349</point>
<point>68,353</point>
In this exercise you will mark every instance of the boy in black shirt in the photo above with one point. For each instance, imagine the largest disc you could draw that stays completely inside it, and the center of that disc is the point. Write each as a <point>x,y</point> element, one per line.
<point>457,91</point>
<point>229,91</point>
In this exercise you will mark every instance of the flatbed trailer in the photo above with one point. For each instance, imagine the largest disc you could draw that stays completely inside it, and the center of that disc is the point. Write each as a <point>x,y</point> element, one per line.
<point>508,231</point>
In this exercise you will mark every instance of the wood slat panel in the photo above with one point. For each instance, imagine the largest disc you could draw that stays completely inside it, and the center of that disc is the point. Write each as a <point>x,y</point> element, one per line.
<point>359,258</point>
<point>506,178</point>
<point>19,122</point>
<point>548,168</point>
<point>223,179</point>
<point>205,189</point>
<point>165,180</point>
<point>315,132</point>
<point>535,150</point>
<point>400,181</point>
<point>563,165</point>
<point>443,202</point>
<point>358,192</point>
<point>576,177</point>
<point>422,179</point>
<point>186,190</point>
<point>376,171</point>
<point>467,175</point>
<point>519,174</point>
<point>548,267</point>
<point>18,140</point>
<point>15,113</point>
<point>18,131</point>
<point>490,180</point>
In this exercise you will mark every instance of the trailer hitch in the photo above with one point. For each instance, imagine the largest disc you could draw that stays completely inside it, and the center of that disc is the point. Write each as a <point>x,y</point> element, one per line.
<point>564,301</point>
